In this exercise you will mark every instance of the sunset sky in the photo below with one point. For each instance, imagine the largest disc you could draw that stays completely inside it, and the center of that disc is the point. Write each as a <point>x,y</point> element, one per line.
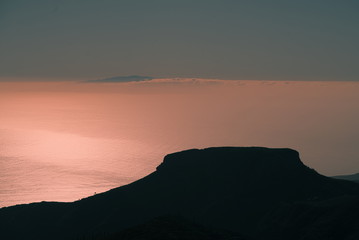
<point>249,39</point>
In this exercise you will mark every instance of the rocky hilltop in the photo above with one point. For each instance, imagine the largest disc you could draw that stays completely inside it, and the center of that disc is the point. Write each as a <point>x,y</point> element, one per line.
<point>260,193</point>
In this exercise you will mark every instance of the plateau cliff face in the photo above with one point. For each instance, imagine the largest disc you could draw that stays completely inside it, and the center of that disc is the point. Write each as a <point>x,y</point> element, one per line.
<point>240,189</point>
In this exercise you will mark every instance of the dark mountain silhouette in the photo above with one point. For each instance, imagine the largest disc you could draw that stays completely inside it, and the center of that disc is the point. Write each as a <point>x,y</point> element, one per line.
<point>259,192</point>
<point>133,78</point>
<point>352,177</point>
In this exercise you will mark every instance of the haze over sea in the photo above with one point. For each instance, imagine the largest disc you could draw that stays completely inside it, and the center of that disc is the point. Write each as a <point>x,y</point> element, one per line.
<point>65,140</point>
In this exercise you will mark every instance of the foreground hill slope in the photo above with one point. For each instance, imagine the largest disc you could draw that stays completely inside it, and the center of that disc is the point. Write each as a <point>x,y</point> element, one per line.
<point>171,228</point>
<point>233,188</point>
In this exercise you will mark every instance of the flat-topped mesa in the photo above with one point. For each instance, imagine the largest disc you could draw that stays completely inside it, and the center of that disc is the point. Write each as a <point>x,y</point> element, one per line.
<point>232,188</point>
<point>244,161</point>
<point>253,171</point>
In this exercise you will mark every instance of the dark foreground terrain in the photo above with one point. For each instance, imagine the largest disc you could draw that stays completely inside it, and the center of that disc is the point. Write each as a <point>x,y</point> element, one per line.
<point>214,193</point>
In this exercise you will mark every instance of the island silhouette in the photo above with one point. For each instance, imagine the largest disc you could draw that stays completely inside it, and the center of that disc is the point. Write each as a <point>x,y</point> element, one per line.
<point>212,193</point>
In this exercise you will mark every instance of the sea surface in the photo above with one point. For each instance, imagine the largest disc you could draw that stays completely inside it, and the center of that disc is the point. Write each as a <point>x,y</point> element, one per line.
<point>65,140</point>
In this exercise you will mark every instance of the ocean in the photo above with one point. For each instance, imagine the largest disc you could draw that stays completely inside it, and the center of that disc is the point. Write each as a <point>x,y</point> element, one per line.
<point>65,140</point>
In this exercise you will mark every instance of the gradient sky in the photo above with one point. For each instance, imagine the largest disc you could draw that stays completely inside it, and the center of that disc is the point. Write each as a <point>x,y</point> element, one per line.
<point>272,40</point>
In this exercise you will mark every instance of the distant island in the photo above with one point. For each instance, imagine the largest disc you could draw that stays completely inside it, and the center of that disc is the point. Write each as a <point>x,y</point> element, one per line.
<point>121,79</point>
<point>243,193</point>
<point>351,177</point>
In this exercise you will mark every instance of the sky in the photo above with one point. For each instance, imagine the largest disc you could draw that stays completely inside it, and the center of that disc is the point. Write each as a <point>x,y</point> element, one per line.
<point>227,39</point>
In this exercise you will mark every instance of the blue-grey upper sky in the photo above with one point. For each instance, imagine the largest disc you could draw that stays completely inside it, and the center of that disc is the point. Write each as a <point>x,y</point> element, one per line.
<point>230,39</point>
